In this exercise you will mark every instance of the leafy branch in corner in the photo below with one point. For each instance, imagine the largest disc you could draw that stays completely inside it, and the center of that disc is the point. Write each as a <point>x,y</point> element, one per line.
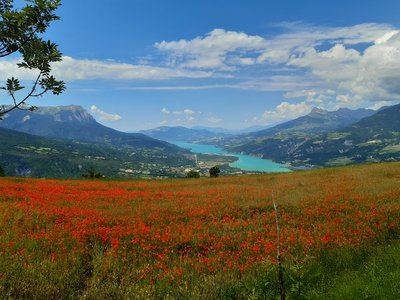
<point>20,31</point>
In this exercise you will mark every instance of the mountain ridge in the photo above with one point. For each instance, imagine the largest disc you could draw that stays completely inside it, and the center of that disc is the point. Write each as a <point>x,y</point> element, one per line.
<point>373,138</point>
<point>74,123</point>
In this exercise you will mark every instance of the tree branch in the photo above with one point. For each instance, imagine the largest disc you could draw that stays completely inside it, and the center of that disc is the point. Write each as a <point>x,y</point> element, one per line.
<point>18,104</point>
<point>4,53</point>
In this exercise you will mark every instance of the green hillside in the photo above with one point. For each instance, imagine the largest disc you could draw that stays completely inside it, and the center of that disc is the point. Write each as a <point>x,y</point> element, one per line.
<point>374,138</point>
<point>34,156</point>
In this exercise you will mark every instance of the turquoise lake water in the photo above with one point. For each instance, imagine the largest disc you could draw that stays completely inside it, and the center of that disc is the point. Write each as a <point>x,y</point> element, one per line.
<point>244,162</point>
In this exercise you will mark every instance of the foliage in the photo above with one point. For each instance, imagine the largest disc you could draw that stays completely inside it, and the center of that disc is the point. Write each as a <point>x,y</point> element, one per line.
<point>20,31</point>
<point>91,174</point>
<point>2,174</point>
<point>216,239</point>
<point>214,171</point>
<point>193,174</point>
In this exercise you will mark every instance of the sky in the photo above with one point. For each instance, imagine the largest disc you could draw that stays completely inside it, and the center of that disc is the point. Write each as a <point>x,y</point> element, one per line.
<point>141,64</point>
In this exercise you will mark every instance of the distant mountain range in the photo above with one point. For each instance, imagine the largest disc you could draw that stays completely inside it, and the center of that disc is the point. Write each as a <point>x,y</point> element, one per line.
<point>318,120</point>
<point>233,131</point>
<point>180,133</point>
<point>373,138</point>
<point>75,123</point>
<point>196,133</point>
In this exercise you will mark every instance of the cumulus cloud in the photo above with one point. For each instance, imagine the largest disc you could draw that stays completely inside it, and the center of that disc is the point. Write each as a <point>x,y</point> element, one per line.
<point>350,101</point>
<point>188,112</point>
<point>219,47</point>
<point>380,104</point>
<point>372,74</point>
<point>283,112</point>
<point>353,61</point>
<point>312,96</point>
<point>103,115</point>
<point>214,50</point>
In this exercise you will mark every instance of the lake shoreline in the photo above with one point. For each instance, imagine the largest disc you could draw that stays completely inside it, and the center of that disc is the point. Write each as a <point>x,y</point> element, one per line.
<point>243,162</point>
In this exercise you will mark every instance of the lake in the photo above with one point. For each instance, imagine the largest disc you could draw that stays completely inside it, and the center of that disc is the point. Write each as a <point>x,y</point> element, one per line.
<point>244,162</point>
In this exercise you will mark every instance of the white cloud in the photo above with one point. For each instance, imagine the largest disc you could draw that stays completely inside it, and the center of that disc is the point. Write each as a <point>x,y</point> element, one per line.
<point>188,112</point>
<point>9,68</point>
<point>225,49</point>
<point>380,104</point>
<point>182,87</point>
<point>84,69</point>
<point>165,111</point>
<point>312,95</point>
<point>354,61</point>
<point>75,69</point>
<point>283,112</point>
<point>103,115</point>
<point>214,50</point>
<point>190,119</point>
<point>214,120</point>
<point>372,74</point>
<point>350,101</point>
<point>187,115</point>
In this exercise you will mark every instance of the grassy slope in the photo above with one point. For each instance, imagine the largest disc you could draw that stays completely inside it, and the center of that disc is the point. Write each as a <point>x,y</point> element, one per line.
<point>369,270</point>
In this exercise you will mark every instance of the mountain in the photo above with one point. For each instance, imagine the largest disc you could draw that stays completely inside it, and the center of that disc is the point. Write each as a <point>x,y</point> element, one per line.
<point>75,123</point>
<point>318,120</point>
<point>180,133</point>
<point>232,131</point>
<point>29,155</point>
<point>373,138</point>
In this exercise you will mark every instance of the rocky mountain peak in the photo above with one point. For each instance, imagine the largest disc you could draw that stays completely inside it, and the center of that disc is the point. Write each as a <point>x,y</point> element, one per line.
<point>70,113</point>
<point>317,111</point>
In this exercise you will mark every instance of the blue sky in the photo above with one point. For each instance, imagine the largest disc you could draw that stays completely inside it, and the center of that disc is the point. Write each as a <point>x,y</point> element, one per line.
<point>144,63</point>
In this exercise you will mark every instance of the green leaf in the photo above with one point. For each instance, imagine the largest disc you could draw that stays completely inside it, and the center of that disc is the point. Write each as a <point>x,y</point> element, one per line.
<point>13,85</point>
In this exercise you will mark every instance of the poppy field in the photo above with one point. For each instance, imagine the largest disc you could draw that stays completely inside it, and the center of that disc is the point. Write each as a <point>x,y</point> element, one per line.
<point>187,238</point>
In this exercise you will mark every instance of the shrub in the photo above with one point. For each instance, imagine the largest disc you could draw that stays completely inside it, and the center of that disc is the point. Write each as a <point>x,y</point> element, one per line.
<point>214,171</point>
<point>193,174</point>
<point>92,174</point>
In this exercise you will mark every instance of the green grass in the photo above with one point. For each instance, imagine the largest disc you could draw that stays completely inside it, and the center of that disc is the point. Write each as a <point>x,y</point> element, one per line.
<point>368,273</point>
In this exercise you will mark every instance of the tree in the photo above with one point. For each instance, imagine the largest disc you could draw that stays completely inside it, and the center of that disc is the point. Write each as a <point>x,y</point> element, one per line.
<point>92,174</point>
<point>20,31</point>
<point>193,174</point>
<point>214,171</point>
<point>1,172</point>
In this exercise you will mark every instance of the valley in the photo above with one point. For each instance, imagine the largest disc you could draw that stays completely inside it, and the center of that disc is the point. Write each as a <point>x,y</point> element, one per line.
<point>199,150</point>
<point>31,145</point>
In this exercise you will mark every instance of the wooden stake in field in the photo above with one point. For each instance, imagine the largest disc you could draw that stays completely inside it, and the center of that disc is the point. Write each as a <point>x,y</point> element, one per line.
<point>278,253</point>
